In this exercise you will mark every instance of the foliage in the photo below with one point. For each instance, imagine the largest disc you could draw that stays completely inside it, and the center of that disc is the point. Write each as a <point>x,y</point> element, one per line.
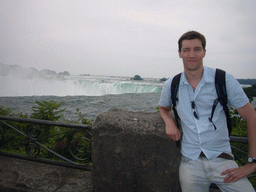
<point>247,81</point>
<point>58,139</point>
<point>240,150</point>
<point>5,111</point>
<point>163,79</point>
<point>47,110</point>
<point>136,77</point>
<point>82,119</point>
<point>250,92</point>
<point>238,124</point>
<point>12,141</point>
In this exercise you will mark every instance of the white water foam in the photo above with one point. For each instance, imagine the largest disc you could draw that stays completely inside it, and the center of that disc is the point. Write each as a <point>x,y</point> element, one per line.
<point>11,86</point>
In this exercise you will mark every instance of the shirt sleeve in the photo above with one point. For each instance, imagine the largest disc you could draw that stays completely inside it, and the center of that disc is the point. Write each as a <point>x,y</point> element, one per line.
<point>236,95</point>
<point>165,99</point>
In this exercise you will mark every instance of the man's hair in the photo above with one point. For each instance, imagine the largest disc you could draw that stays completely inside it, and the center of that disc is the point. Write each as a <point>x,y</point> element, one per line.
<point>192,35</point>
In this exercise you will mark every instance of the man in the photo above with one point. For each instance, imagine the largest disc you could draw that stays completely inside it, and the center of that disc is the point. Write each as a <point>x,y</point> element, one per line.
<point>206,151</point>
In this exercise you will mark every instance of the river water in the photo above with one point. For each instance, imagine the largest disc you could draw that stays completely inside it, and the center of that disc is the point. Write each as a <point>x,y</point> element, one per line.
<point>92,95</point>
<point>90,106</point>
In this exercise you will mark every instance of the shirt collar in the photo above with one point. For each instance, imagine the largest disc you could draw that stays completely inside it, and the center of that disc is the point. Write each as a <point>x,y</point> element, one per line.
<point>208,77</point>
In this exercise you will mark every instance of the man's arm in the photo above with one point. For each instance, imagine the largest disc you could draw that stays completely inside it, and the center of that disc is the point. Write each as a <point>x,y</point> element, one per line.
<point>171,129</point>
<point>249,115</point>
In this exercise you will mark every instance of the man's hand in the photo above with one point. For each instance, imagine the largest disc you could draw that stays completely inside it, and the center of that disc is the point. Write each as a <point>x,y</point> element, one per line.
<point>233,175</point>
<point>249,115</point>
<point>173,132</point>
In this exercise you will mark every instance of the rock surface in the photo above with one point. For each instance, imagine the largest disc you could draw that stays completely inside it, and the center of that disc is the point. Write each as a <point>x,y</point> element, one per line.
<point>131,152</point>
<point>18,175</point>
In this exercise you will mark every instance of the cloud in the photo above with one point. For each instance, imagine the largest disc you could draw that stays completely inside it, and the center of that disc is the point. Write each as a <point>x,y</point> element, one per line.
<point>121,37</point>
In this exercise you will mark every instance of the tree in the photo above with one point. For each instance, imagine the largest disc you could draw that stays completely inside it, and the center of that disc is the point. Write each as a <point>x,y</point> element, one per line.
<point>163,79</point>
<point>136,77</point>
<point>47,110</point>
<point>250,92</point>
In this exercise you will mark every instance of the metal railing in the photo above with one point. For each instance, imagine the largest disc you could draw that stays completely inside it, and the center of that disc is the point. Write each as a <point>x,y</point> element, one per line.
<point>34,135</point>
<point>240,155</point>
<point>57,143</point>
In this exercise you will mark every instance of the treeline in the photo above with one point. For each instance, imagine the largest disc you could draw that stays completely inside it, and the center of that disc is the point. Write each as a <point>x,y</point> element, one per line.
<point>247,81</point>
<point>241,81</point>
<point>250,92</point>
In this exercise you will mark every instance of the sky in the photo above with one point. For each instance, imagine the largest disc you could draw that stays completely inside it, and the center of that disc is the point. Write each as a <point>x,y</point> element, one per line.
<point>126,37</point>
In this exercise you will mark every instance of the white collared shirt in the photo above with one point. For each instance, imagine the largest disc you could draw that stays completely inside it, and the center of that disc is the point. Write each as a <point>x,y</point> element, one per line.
<point>200,134</point>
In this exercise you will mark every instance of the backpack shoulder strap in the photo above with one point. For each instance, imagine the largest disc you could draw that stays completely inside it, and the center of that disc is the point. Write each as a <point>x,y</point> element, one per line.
<point>174,90</point>
<point>220,85</point>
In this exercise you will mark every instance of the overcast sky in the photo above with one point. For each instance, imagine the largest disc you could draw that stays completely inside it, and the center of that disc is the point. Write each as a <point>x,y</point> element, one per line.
<point>126,37</point>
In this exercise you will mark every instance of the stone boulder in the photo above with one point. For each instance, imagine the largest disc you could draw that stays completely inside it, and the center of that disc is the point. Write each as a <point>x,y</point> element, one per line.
<point>131,152</point>
<point>17,175</point>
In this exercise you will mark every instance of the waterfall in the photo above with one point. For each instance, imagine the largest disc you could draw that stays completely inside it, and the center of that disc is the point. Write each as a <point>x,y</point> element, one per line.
<point>74,85</point>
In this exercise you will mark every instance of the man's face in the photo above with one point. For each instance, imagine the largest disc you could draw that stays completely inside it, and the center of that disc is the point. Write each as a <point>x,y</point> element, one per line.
<point>192,54</point>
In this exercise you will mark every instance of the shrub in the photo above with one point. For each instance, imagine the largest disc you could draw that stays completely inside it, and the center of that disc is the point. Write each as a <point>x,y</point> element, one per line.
<point>47,110</point>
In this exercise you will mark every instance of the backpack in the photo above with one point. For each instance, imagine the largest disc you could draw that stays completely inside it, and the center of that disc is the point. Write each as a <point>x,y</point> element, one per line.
<point>220,86</point>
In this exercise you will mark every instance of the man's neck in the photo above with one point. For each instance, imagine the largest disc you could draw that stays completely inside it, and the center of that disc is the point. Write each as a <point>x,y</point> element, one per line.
<point>194,77</point>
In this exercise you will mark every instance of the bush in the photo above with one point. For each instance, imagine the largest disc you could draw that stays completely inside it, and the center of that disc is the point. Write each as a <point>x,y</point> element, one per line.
<point>47,110</point>
<point>250,92</point>
<point>5,111</point>
<point>65,141</point>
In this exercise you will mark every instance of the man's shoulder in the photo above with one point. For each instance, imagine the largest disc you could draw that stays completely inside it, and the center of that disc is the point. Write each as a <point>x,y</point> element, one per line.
<point>168,82</point>
<point>209,74</point>
<point>209,70</point>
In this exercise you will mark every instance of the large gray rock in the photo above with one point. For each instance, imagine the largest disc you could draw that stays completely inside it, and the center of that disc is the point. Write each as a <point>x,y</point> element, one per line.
<point>131,152</point>
<point>18,175</point>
